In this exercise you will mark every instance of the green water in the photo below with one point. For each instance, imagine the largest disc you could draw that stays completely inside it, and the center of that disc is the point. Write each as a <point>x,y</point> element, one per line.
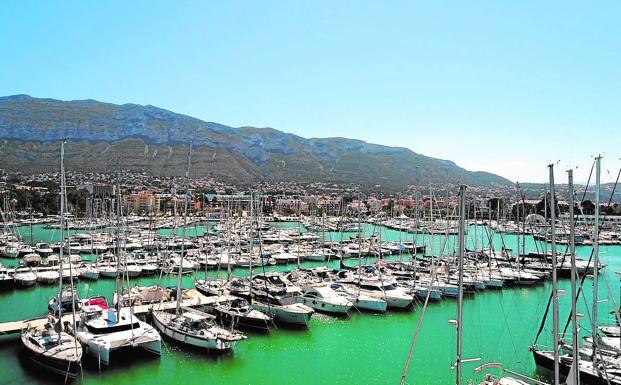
<point>362,349</point>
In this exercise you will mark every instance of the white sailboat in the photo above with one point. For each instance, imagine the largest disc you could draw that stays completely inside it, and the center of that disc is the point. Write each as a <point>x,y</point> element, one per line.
<point>192,328</point>
<point>48,344</point>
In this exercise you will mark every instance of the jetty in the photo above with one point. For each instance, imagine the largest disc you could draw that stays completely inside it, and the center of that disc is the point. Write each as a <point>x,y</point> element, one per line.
<point>192,298</point>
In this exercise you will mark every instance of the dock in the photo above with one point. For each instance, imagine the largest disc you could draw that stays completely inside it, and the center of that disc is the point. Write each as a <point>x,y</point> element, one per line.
<point>192,299</point>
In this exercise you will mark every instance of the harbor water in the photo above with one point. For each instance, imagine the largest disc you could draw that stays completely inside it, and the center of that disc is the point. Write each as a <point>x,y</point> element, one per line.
<point>364,348</point>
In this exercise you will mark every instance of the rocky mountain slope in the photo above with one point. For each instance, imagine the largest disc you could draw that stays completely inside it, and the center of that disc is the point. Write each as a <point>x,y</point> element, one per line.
<point>103,135</point>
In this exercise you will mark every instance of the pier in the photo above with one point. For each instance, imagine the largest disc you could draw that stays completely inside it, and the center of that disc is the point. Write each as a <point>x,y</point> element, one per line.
<point>192,299</point>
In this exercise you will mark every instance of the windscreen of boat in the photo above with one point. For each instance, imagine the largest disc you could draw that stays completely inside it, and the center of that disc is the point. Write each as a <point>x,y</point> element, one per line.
<point>370,287</point>
<point>113,328</point>
<point>287,299</point>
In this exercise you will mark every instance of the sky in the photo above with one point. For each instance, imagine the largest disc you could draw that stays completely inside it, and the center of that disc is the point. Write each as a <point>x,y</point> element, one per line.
<point>498,86</point>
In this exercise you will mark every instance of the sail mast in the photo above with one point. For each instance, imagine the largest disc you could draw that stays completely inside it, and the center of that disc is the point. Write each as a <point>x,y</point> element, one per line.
<point>252,222</point>
<point>117,287</point>
<point>595,258</point>
<point>62,233</point>
<point>554,277</point>
<point>185,221</point>
<point>572,251</point>
<point>460,294</point>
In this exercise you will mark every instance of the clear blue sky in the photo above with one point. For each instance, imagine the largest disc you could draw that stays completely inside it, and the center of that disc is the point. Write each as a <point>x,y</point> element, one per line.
<point>498,86</point>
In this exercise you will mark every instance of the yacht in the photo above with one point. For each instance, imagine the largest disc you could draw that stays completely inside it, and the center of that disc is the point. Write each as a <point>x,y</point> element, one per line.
<point>395,296</point>
<point>210,287</point>
<point>48,277</point>
<point>148,268</point>
<point>141,295</point>
<point>283,307</point>
<point>108,271</point>
<point>277,297</point>
<point>360,301</point>
<point>25,279</point>
<point>131,269</point>
<point>88,271</point>
<point>238,312</point>
<point>55,350</point>
<point>103,330</point>
<point>196,329</point>
<point>69,300</point>
<point>323,298</point>
<point>43,249</point>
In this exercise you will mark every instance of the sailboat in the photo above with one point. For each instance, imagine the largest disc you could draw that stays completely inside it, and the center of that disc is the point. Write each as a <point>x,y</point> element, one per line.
<point>192,327</point>
<point>54,349</point>
<point>489,379</point>
<point>49,345</point>
<point>588,366</point>
<point>238,312</point>
<point>103,330</point>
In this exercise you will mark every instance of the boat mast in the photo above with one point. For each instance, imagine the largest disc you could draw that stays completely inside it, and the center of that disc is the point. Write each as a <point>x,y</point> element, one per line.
<point>206,207</point>
<point>572,251</point>
<point>595,258</point>
<point>185,221</point>
<point>545,234</point>
<point>460,293</point>
<point>400,230</point>
<point>554,276</point>
<point>117,286</point>
<point>517,222</point>
<point>431,227</point>
<point>62,234</point>
<point>359,243</point>
<point>252,221</point>
<point>299,203</point>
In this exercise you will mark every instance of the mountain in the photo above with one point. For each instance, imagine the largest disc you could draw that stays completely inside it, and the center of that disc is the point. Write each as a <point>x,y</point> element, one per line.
<point>103,135</point>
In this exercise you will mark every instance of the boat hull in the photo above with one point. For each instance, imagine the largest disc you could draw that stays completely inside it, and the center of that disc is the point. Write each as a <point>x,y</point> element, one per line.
<point>369,305</point>
<point>241,322</point>
<point>282,314</point>
<point>90,275</point>
<point>545,360</point>
<point>325,306</point>
<point>189,339</point>
<point>57,366</point>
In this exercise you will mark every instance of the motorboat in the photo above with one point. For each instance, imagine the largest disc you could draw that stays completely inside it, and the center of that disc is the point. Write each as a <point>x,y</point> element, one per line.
<point>25,278</point>
<point>323,298</point>
<point>88,271</point>
<point>359,300</point>
<point>48,277</point>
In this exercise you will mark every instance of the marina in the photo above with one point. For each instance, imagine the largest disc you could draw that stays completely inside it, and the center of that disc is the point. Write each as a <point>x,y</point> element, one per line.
<point>310,192</point>
<point>485,303</point>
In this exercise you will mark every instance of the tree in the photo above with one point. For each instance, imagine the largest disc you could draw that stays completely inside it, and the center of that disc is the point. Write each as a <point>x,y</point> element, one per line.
<point>588,207</point>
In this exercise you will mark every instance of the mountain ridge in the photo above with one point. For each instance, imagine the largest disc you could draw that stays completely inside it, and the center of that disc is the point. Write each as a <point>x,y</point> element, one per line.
<point>145,137</point>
